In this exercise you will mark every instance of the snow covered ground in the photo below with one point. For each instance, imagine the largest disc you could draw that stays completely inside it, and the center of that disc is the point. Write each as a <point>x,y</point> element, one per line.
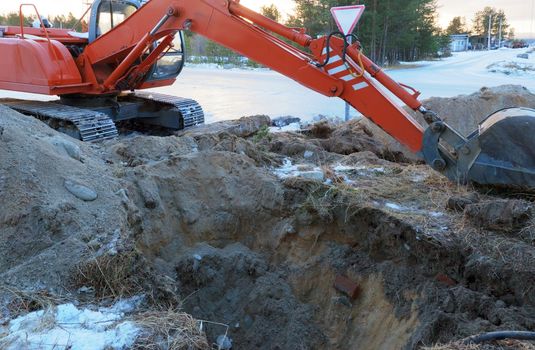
<point>233,94</point>
<point>521,65</point>
<point>69,327</point>
<point>230,94</point>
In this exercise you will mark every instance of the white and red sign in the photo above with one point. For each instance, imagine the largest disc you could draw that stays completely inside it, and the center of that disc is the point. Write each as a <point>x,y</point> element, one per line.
<point>347,17</point>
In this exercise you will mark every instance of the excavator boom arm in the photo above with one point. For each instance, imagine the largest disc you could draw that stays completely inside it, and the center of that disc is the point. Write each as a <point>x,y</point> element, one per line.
<point>348,76</point>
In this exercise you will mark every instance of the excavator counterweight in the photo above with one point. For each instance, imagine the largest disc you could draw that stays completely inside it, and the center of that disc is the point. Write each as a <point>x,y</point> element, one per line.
<point>134,45</point>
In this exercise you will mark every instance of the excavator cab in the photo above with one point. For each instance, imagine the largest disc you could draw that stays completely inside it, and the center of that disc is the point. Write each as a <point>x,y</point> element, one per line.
<point>107,14</point>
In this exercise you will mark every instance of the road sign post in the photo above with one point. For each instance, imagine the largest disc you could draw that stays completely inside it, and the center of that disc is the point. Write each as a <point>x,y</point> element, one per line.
<point>346,18</point>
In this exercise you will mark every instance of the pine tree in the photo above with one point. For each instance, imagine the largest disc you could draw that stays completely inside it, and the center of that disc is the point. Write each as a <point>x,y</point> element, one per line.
<point>389,30</point>
<point>271,12</point>
<point>457,26</point>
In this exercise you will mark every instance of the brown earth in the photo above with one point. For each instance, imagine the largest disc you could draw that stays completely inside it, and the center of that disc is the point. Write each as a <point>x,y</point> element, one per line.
<point>207,218</point>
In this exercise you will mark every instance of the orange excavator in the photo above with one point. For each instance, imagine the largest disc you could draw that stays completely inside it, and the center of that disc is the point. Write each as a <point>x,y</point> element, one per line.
<point>133,45</point>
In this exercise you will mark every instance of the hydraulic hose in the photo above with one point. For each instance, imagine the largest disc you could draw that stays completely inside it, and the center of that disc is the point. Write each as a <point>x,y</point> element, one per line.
<point>501,335</point>
<point>344,53</point>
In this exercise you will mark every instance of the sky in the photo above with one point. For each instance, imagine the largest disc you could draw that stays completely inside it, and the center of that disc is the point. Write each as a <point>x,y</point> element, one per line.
<point>519,12</point>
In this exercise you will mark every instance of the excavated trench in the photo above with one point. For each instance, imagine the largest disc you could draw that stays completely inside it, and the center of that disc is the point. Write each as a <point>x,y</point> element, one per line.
<point>282,296</point>
<point>265,261</point>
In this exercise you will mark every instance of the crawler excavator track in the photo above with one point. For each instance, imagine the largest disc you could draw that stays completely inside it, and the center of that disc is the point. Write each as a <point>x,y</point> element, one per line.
<point>96,121</point>
<point>84,124</point>
<point>191,112</point>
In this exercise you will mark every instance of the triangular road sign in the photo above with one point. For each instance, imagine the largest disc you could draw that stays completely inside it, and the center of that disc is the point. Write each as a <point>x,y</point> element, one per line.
<point>347,17</point>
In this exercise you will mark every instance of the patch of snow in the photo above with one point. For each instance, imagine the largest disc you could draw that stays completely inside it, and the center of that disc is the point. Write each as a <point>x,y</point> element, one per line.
<point>343,168</point>
<point>69,327</point>
<point>396,207</point>
<point>111,247</point>
<point>288,169</point>
<point>224,342</point>
<point>513,68</point>
<point>401,209</point>
<point>418,178</point>
<point>124,306</point>
<point>293,127</point>
<point>308,154</point>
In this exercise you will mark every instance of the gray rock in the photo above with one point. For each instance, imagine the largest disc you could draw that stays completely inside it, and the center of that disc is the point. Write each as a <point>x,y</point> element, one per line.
<point>460,203</point>
<point>70,148</point>
<point>500,304</point>
<point>80,191</point>
<point>501,215</point>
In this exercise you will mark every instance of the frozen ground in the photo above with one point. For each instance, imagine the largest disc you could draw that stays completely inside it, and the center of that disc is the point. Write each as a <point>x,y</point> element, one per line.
<point>230,94</point>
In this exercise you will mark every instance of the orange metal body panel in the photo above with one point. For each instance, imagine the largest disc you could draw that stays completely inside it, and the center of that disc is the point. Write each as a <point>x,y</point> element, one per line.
<point>37,66</point>
<point>61,35</point>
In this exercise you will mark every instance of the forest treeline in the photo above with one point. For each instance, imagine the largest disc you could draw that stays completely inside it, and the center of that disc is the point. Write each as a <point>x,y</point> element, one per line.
<point>390,30</point>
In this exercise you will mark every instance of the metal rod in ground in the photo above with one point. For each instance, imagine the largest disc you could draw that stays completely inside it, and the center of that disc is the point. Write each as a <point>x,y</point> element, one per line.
<point>500,335</point>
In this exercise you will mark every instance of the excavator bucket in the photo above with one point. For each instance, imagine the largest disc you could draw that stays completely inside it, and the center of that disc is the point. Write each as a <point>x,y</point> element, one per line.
<point>501,152</point>
<point>507,149</point>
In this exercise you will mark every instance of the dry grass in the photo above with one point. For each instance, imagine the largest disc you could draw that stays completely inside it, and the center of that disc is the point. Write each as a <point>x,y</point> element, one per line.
<point>528,232</point>
<point>170,330</point>
<point>111,277</point>
<point>23,302</point>
<point>395,185</point>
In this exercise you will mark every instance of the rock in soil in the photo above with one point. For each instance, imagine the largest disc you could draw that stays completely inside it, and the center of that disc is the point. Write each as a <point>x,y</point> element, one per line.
<point>80,191</point>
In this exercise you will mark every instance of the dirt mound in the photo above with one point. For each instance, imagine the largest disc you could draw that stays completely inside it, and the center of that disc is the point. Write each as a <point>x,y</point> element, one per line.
<point>465,112</point>
<point>42,221</point>
<point>322,239</point>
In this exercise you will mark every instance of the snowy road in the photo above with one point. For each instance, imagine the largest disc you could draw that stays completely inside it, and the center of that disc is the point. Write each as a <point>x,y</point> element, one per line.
<point>230,94</point>
<point>463,73</point>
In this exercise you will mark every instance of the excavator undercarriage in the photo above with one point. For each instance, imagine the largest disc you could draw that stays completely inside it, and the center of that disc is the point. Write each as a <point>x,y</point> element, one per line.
<point>94,118</point>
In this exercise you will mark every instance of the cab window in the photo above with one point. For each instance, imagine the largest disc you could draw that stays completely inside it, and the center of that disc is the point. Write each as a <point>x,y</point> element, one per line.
<point>111,14</point>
